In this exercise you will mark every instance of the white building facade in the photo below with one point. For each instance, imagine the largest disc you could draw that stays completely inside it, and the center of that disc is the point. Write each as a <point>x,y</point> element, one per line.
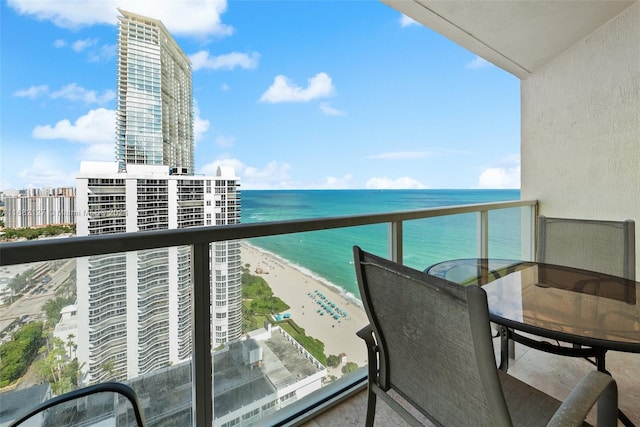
<point>40,207</point>
<point>137,305</point>
<point>134,308</point>
<point>154,98</point>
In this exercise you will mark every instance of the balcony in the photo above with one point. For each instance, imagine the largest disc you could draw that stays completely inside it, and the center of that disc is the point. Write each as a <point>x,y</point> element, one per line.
<point>282,360</point>
<point>334,402</point>
<point>579,82</point>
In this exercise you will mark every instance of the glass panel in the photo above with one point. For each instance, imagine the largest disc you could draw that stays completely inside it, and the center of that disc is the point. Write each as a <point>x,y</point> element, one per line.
<point>303,287</point>
<point>285,310</point>
<point>122,317</point>
<point>430,240</point>
<point>506,228</point>
<point>103,409</point>
<point>38,338</point>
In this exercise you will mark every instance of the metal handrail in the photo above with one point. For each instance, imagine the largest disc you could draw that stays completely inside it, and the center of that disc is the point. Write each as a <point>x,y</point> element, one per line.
<point>22,252</point>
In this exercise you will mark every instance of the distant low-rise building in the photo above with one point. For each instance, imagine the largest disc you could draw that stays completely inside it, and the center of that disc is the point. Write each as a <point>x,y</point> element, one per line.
<point>37,207</point>
<point>67,329</point>
<point>253,378</point>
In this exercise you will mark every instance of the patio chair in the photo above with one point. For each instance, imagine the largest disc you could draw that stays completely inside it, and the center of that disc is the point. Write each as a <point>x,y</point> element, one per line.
<point>109,403</point>
<point>604,246</point>
<point>598,245</point>
<point>429,341</point>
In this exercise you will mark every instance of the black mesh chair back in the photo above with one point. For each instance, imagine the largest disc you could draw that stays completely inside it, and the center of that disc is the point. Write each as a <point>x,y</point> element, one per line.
<point>603,246</point>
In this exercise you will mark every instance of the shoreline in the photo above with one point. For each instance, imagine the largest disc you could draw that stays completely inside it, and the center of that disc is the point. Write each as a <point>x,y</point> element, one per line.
<point>305,294</point>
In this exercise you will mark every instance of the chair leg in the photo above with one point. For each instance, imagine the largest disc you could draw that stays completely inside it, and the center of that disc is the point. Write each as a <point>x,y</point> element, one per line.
<point>512,349</point>
<point>371,407</point>
<point>504,349</point>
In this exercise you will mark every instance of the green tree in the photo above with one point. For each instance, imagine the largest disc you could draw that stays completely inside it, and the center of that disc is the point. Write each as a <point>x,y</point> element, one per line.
<point>333,361</point>
<point>108,367</point>
<point>349,367</point>
<point>21,281</point>
<point>68,287</point>
<point>56,368</point>
<point>71,344</point>
<point>34,233</point>
<point>53,307</point>
<point>258,296</point>
<point>17,354</point>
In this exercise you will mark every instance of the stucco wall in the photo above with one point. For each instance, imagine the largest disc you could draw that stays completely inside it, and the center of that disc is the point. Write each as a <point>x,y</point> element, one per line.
<point>581,127</point>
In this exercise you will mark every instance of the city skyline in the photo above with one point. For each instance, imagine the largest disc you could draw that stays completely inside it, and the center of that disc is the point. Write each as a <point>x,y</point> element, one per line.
<point>292,95</point>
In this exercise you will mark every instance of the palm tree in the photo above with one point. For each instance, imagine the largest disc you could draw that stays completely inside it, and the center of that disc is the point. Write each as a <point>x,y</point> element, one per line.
<point>108,367</point>
<point>71,344</point>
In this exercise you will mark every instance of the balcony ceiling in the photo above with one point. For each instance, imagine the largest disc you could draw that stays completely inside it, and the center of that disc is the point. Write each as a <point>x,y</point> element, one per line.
<point>519,36</point>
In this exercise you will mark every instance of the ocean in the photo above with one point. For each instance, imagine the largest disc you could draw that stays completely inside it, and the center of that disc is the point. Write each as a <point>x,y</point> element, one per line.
<point>327,255</point>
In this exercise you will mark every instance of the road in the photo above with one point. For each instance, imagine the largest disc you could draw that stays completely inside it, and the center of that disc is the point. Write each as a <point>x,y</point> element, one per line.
<point>31,303</point>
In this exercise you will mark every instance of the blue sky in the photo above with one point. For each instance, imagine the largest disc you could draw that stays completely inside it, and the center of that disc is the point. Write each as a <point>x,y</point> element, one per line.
<point>292,94</point>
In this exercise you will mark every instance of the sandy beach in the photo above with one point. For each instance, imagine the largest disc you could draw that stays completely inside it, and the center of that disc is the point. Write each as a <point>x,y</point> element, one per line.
<point>302,293</point>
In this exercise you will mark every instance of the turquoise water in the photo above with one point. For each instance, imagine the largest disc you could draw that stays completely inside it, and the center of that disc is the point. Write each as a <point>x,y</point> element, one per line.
<point>327,255</point>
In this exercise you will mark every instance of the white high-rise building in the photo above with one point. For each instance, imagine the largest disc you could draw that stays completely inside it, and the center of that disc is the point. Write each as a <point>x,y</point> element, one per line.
<point>40,207</point>
<point>134,309</point>
<point>155,102</point>
<point>137,305</point>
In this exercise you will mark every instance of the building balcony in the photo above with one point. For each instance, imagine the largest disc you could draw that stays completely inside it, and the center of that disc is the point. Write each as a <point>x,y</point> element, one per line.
<point>281,405</point>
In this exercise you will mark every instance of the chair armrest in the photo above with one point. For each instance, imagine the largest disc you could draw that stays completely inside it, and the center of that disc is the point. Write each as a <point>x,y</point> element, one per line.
<point>367,335</point>
<point>595,387</point>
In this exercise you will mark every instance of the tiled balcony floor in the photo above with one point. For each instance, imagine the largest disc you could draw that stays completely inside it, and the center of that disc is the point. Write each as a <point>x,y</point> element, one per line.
<point>556,375</point>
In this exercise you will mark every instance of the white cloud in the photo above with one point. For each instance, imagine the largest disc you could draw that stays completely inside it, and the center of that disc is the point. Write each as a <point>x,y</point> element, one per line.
<point>210,168</point>
<point>404,182</point>
<point>33,92</point>
<point>478,62</point>
<point>225,141</point>
<point>91,47</point>
<point>97,126</point>
<point>47,169</point>
<point>402,155</point>
<point>500,178</point>
<point>327,109</point>
<point>200,125</point>
<point>103,53</point>
<point>99,152</point>
<point>81,45</point>
<point>73,92</point>
<point>338,183</point>
<point>228,61</point>
<point>275,174</point>
<point>224,87</point>
<point>405,21</point>
<point>70,92</point>
<point>181,17</point>
<point>283,90</point>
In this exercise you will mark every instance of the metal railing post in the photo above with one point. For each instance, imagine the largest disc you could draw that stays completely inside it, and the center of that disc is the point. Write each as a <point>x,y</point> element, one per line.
<point>202,369</point>
<point>395,241</point>
<point>529,225</point>
<point>482,230</point>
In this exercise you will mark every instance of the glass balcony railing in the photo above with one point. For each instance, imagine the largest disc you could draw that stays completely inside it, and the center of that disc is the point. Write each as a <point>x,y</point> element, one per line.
<point>183,317</point>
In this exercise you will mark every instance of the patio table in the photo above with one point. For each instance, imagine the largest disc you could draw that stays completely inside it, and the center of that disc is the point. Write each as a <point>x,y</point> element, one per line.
<point>592,312</point>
